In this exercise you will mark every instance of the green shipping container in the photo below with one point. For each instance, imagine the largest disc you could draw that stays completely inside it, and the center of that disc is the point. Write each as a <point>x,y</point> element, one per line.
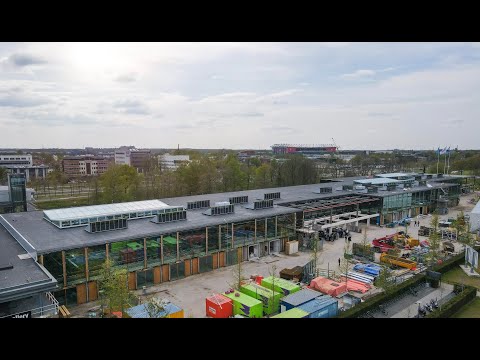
<point>294,313</point>
<point>269,298</point>
<point>245,305</point>
<point>280,285</point>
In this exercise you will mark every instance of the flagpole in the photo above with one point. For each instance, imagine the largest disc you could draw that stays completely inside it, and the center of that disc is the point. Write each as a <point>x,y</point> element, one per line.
<point>448,163</point>
<point>438,158</point>
<point>445,166</point>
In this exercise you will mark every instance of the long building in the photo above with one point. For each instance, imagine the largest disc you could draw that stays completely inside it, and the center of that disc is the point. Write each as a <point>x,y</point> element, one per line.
<point>85,165</point>
<point>168,239</point>
<point>308,150</point>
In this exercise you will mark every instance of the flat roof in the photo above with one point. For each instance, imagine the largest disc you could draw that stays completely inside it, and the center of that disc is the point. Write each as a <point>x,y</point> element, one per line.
<point>392,175</point>
<point>74,213</point>
<point>26,276</point>
<point>47,238</point>
<point>378,181</point>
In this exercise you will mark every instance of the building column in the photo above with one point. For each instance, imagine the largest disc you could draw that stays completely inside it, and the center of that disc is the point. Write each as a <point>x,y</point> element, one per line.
<point>40,259</point>
<point>219,237</point>
<point>368,222</point>
<point>161,249</point>
<point>107,254</point>
<point>255,235</point>
<point>178,248</point>
<point>144,253</point>
<point>87,273</point>
<point>206,240</point>
<point>233,237</point>
<point>64,266</point>
<point>265,229</point>
<point>276,226</point>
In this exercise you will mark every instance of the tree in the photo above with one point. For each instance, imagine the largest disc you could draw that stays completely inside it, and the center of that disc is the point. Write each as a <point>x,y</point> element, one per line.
<point>238,276</point>
<point>119,183</point>
<point>3,175</point>
<point>155,308</point>
<point>273,274</point>
<point>434,240</point>
<point>345,267</point>
<point>114,284</point>
<point>384,280</point>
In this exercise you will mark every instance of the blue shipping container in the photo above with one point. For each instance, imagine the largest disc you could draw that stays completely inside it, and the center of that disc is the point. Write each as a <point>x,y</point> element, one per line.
<point>324,307</point>
<point>298,298</point>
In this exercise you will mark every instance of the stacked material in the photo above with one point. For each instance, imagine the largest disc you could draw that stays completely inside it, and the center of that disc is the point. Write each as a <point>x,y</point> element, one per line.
<point>327,286</point>
<point>356,285</point>
<point>294,273</point>
<point>370,269</point>
<point>367,279</point>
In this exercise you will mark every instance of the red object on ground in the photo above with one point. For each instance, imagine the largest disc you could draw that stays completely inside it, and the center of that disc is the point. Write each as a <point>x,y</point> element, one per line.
<point>439,261</point>
<point>328,286</point>
<point>218,306</point>
<point>118,314</point>
<point>355,285</point>
<point>259,279</point>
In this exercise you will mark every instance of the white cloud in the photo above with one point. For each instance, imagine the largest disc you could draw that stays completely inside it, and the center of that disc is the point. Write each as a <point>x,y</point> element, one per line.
<point>359,74</point>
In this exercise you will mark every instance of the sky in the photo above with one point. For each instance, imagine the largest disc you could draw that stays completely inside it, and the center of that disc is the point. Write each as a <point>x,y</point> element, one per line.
<point>240,95</point>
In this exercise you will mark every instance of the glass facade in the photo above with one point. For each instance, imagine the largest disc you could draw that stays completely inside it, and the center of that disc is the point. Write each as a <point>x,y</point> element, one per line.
<point>154,251</point>
<point>170,248</point>
<point>192,243</point>
<point>96,258</point>
<point>226,236</point>
<point>244,233</point>
<point>53,263</point>
<point>286,225</point>
<point>271,228</point>
<point>260,229</point>
<point>75,265</point>
<point>212,239</point>
<point>399,201</point>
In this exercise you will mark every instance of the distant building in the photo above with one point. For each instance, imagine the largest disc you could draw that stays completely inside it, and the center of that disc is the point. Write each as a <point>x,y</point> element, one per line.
<point>137,158</point>
<point>85,165</point>
<point>172,162</point>
<point>31,172</point>
<point>122,156</point>
<point>23,164</point>
<point>284,149</point>
<point>7,160</point>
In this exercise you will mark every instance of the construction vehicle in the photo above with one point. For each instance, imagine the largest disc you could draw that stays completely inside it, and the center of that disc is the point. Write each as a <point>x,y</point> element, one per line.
<point>398,261</point>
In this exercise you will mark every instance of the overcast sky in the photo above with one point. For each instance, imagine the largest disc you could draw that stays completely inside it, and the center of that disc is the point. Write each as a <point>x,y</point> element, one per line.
<point>240,95</point>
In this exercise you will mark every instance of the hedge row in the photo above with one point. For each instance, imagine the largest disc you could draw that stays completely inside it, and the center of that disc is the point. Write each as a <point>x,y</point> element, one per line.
<point>380,298</point>
<point>453,305</point>
<point>452,263</point>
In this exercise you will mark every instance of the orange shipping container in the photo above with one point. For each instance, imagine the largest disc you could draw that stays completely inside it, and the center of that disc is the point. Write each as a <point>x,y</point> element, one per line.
<point>218,306</point>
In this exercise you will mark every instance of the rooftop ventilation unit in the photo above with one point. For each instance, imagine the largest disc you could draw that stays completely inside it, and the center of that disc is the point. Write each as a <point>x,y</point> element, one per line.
<point>372,189</point>
<point>347,187</point>
<point>360,187</point>
<point>238,200</point>
<point>222,203</point>
<point>220,209</point>
<point>261,204</point>
<point>200,204</point>
<point>271,196</point>
<point>107,225</point>
<point>178,215</point>
<point>325,190</point>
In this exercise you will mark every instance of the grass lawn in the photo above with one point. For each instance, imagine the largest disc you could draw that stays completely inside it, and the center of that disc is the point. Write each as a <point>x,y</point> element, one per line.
<point>471,310</point>
<point>457,275</point>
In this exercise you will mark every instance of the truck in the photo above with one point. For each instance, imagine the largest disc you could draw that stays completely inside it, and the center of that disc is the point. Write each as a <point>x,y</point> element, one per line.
<point>398,261</point>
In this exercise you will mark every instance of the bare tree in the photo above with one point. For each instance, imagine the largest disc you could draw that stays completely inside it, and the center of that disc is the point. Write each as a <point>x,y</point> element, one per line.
<point>155,308</point>
<point>434,241</point>
<point>238,276</point>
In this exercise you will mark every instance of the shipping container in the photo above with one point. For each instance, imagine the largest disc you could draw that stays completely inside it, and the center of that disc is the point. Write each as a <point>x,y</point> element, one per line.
<point>245,305</point>
<point>294,313</point>
<point>170,311</point>
<point>269,298</point>
<point>324,307</point>
<point>280,285</point>
<point>218,306</point>
<point>298,298</point>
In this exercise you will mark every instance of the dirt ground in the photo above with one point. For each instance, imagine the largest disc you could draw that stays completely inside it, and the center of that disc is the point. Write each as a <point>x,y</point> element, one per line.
<point>190,293</point>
